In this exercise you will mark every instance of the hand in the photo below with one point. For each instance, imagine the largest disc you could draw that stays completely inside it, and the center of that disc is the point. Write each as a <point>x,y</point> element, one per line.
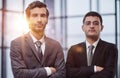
<point>53,70</point>
<point>98,68</point>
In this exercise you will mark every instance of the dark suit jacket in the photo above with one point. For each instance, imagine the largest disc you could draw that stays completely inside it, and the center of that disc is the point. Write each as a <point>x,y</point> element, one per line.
<point>105,56</point>
<point>25,61</point>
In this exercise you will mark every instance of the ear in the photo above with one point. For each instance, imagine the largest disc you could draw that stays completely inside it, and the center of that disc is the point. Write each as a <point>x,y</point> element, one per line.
<point>83,27</point>
<point>47,21</point>
<point>102,27</point>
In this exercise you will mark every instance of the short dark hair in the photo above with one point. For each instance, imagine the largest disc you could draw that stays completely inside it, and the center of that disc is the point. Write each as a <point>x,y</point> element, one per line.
<point>93,13</point>
<point>33,5</point>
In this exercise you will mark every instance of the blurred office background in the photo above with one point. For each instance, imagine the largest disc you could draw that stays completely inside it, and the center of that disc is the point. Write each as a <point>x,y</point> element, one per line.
<point>64,24</point>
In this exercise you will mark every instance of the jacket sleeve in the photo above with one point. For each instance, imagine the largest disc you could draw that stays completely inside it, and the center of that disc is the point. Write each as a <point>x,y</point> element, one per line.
<point>74,71</point>
<point>110,66</point>
<point>59,63</point>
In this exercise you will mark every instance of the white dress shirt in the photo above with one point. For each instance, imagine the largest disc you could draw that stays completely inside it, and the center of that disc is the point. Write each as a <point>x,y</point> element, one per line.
<point>94,44</point>
<point>48,70</point>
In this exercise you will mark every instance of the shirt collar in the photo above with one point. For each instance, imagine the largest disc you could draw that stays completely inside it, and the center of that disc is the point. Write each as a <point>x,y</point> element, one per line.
<point>94,44</point>
<point>34,39</point>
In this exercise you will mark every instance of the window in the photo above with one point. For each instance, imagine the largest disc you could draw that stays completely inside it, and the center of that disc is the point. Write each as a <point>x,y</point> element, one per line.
<point>64,24</point>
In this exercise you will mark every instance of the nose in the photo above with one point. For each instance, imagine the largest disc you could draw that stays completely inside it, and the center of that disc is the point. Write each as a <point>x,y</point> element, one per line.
<point>39,18</point>
<point>91,25</point>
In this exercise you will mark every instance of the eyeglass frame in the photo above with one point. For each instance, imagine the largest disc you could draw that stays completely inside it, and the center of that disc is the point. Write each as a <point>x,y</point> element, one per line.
<point>94,23</point>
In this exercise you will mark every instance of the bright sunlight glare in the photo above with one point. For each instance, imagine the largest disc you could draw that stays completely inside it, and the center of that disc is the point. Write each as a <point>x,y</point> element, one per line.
<point>21,26</point>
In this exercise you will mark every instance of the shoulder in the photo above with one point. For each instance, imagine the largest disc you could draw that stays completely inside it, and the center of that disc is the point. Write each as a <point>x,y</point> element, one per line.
<point>19,39</point>
<point>51,41</point>
<point>109,48</point>
<point>82,44</point>
<point>78,47</point>
<point>107,44</point>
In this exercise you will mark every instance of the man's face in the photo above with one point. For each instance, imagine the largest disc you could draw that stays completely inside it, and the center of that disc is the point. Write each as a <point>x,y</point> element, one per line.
<point>38,19</point>
<point>92,26</point>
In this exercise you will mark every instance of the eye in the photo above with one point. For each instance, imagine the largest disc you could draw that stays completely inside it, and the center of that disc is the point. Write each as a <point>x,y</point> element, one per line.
<point>95,23</point>
<point>43,15</point>
<point>34,15</point>
<point>87,23</point>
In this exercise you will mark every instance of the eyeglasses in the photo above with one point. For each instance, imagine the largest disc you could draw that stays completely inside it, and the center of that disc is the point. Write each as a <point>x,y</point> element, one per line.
<point>95,23</point>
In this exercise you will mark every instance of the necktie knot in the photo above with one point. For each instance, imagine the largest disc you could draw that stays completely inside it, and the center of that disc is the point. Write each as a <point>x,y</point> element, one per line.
<point>90,47</point>
<point>38,44</point>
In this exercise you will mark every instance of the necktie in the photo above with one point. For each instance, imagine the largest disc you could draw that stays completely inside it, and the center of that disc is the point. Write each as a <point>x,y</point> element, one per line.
<point>38,44</point>
<point>90,54</point>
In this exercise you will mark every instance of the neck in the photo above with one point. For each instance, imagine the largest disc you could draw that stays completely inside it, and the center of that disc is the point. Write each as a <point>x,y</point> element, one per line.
<point>38,35</point>
<point>91,40</point>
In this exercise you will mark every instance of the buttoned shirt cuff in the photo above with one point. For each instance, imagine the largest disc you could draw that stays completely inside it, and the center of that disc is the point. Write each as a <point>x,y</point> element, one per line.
<point>95,69</point>
<point>48,71</point>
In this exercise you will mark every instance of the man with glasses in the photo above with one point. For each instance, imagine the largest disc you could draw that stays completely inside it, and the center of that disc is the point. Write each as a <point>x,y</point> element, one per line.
<point>34,55</point>
<point>93,58</point>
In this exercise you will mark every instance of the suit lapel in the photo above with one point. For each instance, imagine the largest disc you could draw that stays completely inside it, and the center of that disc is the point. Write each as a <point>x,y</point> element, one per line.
<point>32,46</point>
<point>97,51</point>
<point>47,50</point>
<point>84,53</point>
<point>81,53</point>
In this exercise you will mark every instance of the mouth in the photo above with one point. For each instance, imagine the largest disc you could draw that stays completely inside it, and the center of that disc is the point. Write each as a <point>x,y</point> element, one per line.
<point>38,25</point>
<point>91,30</point>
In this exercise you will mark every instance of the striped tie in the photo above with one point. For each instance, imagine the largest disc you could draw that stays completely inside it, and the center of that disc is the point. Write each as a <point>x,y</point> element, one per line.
<point>38,44</point>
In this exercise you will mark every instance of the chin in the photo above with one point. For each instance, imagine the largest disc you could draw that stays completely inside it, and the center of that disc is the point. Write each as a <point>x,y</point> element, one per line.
<point>39,29</point>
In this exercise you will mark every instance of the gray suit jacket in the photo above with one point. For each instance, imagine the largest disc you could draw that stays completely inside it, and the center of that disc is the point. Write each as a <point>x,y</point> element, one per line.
<point>26,63</point>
